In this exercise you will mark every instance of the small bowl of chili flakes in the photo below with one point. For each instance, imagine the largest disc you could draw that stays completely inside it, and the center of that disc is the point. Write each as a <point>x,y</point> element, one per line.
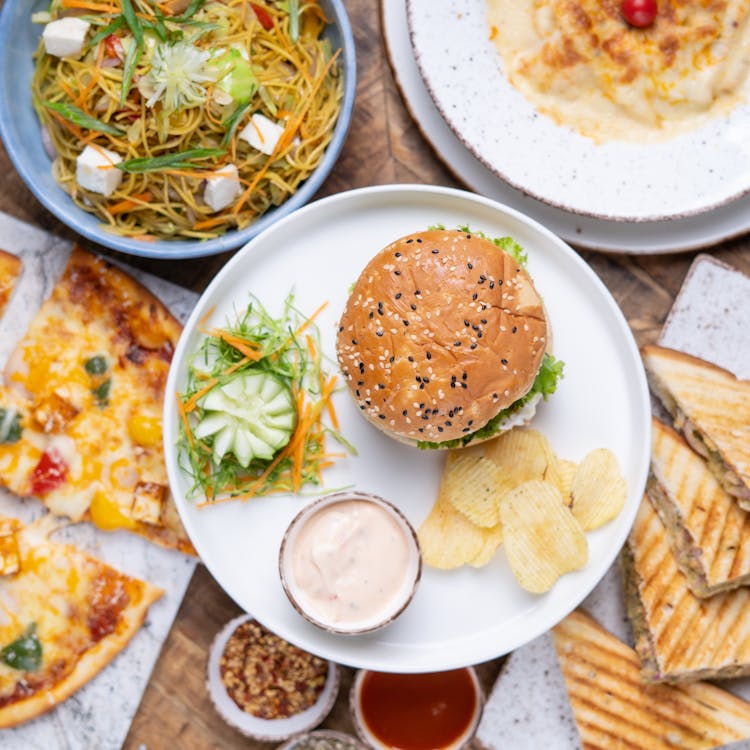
<point>264,686</point>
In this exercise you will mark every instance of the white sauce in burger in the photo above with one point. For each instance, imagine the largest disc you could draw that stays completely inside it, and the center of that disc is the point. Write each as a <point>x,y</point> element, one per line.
<point>349,562</point>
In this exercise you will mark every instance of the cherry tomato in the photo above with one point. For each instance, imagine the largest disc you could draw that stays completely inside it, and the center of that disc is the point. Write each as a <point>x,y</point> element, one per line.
<point>265,18</point>
<point>49,473</point>
<point>114,47</point>
<point>639,13</point>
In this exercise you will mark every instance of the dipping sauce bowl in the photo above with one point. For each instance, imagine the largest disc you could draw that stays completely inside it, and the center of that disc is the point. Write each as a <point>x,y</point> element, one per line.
<point>350,562</point>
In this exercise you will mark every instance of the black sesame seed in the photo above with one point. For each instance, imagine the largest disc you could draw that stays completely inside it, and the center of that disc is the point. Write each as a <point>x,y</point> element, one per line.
<point>483,321</point>
<point>354,341</point>
<point>360,382</point>
<point>466,429</point>
<point>456,343</point>
<point>381,416</point>
<point>413,306</point>
<point>418,378</point>
<point>468,236</point>
<point>392,359</point>
<point>362,406</point>
<point>453,378</point>
<point>425,380</point>
<point>404,412</point>
<point>398,255</point>
<point>514,329</point>
<point>419,240</point>
<point>482,278</point>
<point>410,358</point>
<point>474,296</point>
<point>473,346</point>
<point>408,242</point>
<point>428,355</point>
<point>341,328</point>
<point>494,395</point>
<point>504,361</point>
<point>435,251</point>
<point>421,406</point>
<point>378,333</point>
<point>416,292</point>
<point>420,429</point>
<point>368,401</point>
<point>448,423</point>
<point>464,376</point>
<point>466,323</point>
<point>453,383</point>
<point>463,385</point>
<point>479,334</point>
<point>492,284</point>
<point>470,422</point>
<point>440,429</point>
<point>405,322</point>
<point>499,282</point>
<point>397,273</point>
<point>398,296</point>
<point>469,266</point>
<point>371,315</point>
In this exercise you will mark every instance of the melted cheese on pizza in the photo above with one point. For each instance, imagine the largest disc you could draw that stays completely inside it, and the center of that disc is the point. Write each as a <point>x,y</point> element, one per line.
<point>87,381</point>
<point>10,268</point>
<point>71,600</point>
<point>580,63</point>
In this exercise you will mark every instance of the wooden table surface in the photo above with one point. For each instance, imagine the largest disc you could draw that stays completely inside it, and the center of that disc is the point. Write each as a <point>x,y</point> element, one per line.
<point>383,147</point>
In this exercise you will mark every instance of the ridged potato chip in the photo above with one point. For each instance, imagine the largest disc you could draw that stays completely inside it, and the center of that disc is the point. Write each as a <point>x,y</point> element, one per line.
<point>561,473</point>
<point>521,454</point>
<point>542,538</point>
<point>472,483</point>
<point>599,490</point>
<point>448,539</point>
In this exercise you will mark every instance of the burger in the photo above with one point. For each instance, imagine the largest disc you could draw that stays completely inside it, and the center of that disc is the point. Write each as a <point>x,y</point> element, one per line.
<point>444,339</point>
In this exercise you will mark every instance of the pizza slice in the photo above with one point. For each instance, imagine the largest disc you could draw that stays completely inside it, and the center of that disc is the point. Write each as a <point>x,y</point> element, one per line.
<point>64,615</point>
<point>80,412</point>
<point>10,270</point>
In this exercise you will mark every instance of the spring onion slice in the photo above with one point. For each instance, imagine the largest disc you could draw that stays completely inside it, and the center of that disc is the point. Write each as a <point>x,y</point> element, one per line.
<point>171,161</point>
<point>79,117</point>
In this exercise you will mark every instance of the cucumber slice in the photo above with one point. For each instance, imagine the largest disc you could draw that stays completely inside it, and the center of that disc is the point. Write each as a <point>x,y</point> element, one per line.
<point>251,416</point>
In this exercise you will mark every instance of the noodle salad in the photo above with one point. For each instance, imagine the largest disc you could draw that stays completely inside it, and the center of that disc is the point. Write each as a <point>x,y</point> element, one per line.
<point>184,118</point>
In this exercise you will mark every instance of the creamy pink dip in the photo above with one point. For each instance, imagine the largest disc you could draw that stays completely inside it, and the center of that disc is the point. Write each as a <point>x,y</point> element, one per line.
<point>349,562</point>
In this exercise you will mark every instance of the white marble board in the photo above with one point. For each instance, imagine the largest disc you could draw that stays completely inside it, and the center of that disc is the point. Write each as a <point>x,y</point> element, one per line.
<point>99,715</point>
<point>528,707</point>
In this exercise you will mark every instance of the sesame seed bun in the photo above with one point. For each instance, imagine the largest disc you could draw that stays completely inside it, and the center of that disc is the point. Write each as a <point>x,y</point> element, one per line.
<point>442,331</point>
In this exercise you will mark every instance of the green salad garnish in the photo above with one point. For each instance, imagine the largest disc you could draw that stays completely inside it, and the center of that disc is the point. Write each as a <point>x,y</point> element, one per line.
<point>253,407</point>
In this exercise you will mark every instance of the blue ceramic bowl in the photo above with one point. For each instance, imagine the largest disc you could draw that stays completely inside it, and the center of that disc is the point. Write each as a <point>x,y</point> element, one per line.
<point>20,131</point>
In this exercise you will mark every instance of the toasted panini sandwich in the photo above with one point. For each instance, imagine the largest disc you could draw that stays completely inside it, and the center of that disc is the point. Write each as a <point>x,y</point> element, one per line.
<point>679,637</point>
<point>615,710</point>
<point>708,532</point>
<point>711,407</point>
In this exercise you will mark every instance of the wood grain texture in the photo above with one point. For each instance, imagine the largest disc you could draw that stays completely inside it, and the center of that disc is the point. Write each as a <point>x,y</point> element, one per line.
<point>384,146</point>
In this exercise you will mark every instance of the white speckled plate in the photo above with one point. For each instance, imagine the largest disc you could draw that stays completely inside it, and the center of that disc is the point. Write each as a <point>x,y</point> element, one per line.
<point>687,175</point>
<point>461,616</point>
<point>642,238</point>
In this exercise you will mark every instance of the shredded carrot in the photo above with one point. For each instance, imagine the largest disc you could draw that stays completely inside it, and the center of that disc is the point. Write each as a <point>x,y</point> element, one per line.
<point>130,203</point>
<point>248,348</point>
<point>85,5</point>
<point>212,222</point>
<point>202,322</point>
<point>185,421</point>
<point>69,126</point>
<point>192,402</point>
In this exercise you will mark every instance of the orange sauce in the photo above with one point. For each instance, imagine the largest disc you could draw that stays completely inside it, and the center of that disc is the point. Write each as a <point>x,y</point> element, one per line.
<point>418,711</point>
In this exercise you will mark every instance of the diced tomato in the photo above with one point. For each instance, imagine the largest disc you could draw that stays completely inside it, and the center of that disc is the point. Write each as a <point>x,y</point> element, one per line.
<point>114,46</point>
<point>265,18</point>
<point>49,473</point>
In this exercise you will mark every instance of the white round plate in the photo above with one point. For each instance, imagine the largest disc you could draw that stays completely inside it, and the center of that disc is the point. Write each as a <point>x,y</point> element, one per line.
<point>686,175</point>
<point>641,238</point>
<point>457,617</point>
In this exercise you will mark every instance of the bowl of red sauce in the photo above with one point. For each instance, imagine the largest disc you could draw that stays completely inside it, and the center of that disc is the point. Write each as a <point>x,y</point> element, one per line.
<point>431,711</point>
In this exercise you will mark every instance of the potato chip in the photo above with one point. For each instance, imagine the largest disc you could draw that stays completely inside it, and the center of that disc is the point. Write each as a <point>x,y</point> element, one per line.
<point>599,490</point>
<point>561,473</point>
<point>542,538</point>
<point>471,484</point>
<point>448,539</point>
<point>521,455</point>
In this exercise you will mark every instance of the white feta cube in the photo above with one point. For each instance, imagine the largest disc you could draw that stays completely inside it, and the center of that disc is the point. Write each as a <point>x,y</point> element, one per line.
<point>222,187</point>
<point>261,133</point>
<point>95,170</point>
<point>65,37</point>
